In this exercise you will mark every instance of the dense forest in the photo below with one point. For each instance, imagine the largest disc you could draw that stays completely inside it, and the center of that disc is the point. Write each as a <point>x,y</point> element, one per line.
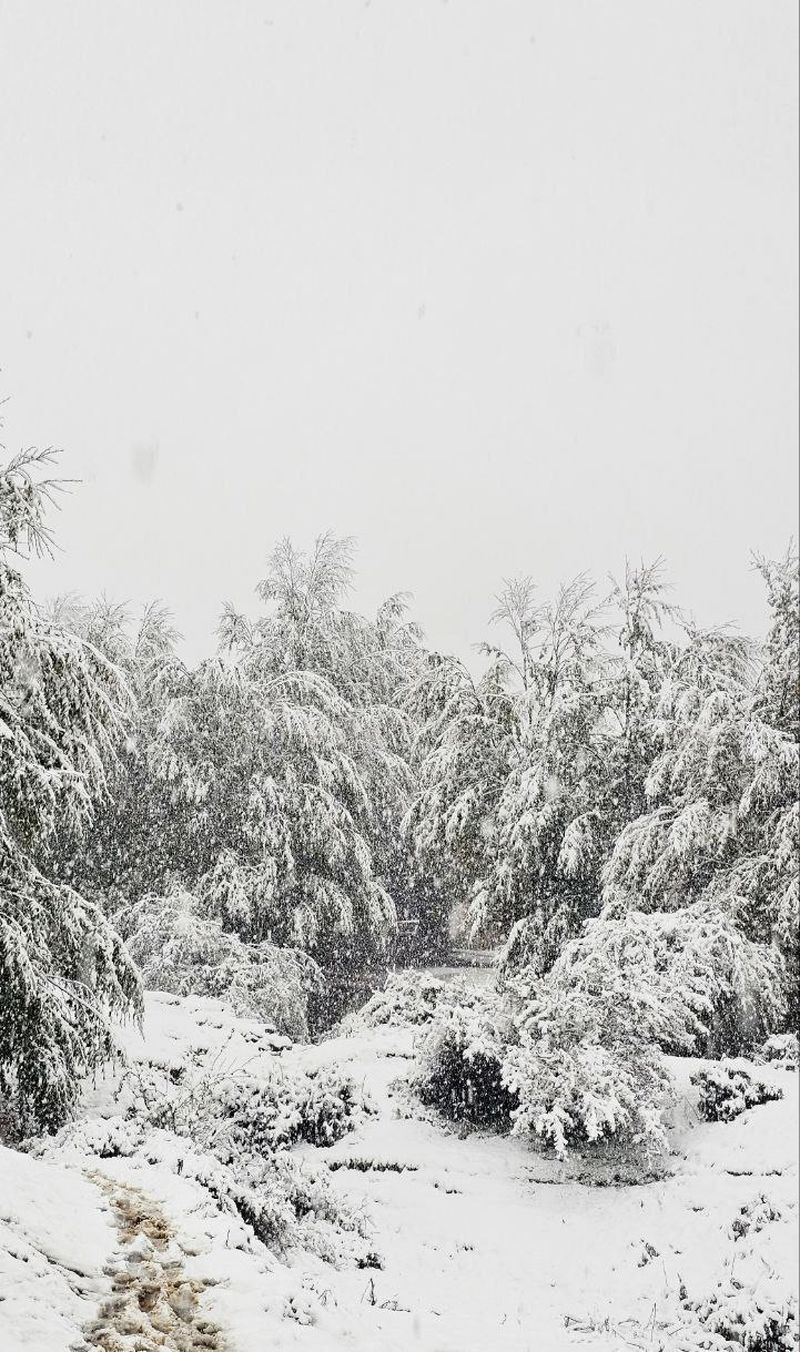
<point>607,795</point>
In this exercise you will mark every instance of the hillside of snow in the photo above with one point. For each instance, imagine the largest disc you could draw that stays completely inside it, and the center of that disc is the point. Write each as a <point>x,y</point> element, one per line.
<point>475,1242</point>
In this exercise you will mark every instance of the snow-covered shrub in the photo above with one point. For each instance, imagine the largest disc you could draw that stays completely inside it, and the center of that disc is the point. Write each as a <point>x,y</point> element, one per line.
<point>288,1204</point>
<point>580,1059</point>
<point>781,1050</point>
<point>588,1065</point>
<point>230,1131</point>
<point>331,1104</point>
<point>407,998</point>
<point>181,950</point>
<point>727,1090</point>
<point>238,1115</point>
<point>753,1216</point>
<point>695,981</point>
<point>584,1093</point>
<point>757,1318</point>
<point>411,997</point>
<point>461,1063</point>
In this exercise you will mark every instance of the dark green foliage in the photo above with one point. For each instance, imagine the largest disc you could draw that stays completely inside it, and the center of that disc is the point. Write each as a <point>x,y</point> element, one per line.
<point>727,1090</point>
<point>461,1065</point>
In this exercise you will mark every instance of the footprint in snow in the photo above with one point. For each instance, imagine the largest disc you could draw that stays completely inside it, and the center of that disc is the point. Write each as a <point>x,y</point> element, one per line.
<point>153,1306</point>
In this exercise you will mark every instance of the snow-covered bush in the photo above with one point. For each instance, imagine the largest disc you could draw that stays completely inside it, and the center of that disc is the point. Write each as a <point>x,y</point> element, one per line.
<point>230,1131</point>
<point>579,1060</point>
<point>588,1065</point>
<point>461,1060</point>
<point>289,1204</point>
<point>781,1049</point>
<point>721,818</point>
<point>407,998</point>
<point>753,1216</point>
<point>584,1093</point>
<point>727,1090</point>
<point>411,997</point>
<point>238,1115</point>
<point>689,979</point>
<point>183,951</point>
<point>760,1318</point>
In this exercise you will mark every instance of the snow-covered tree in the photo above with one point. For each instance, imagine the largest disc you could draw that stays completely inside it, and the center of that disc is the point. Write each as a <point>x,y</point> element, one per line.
<point>136,839</point>
<point>332,743</point>
<point>721,820</point>
<point>637,673</point>
<point>269,807</point>
<point>270,781</point>
<point>511,771</point>
<point>305,628</point>
<point>779,687</point>
<point>63,970</point>
<point>463,750</point>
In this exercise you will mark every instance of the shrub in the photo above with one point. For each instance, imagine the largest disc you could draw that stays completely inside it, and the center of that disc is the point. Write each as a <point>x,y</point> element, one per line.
<point>753,1216</point>
<point>237,1115</point>
<point>583,1093</point>
<point>285,1202</point>
<point>687,980</point>
<point>230,1132</point>
<point>409,998</point>
<point>588,1066</point>
<point>759,1318</point>
<point>575,1057</point>
<point>461,1063</point>
<point>727,1090</point>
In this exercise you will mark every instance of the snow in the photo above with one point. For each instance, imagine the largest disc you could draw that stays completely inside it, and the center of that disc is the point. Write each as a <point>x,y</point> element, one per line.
<point>55,1235</point>
<point>484,1243</point>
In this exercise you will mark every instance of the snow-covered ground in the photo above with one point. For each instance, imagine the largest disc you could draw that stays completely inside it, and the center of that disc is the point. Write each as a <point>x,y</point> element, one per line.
<point>483,1243</point>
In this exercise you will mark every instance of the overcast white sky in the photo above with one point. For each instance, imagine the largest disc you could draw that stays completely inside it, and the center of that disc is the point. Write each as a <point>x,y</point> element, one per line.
<point>497,286</point>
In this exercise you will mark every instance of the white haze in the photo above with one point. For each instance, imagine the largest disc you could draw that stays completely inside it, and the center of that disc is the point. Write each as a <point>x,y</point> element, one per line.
<point>495,288</point>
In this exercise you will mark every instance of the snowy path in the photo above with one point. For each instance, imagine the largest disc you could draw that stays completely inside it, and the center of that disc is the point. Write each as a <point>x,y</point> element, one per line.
<point>153,1303</point>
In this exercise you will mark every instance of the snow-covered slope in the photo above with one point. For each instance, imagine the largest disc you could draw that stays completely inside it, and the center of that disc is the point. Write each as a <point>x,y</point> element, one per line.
<point>484,1245</point>
<point>55,1236</point>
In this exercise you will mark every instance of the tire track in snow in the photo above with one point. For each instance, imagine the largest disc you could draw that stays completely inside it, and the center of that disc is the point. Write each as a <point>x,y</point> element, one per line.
<point>154,1306</point>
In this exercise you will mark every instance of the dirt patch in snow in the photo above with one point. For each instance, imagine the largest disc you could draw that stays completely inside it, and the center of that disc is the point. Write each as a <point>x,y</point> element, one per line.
<point>154,1306</point>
